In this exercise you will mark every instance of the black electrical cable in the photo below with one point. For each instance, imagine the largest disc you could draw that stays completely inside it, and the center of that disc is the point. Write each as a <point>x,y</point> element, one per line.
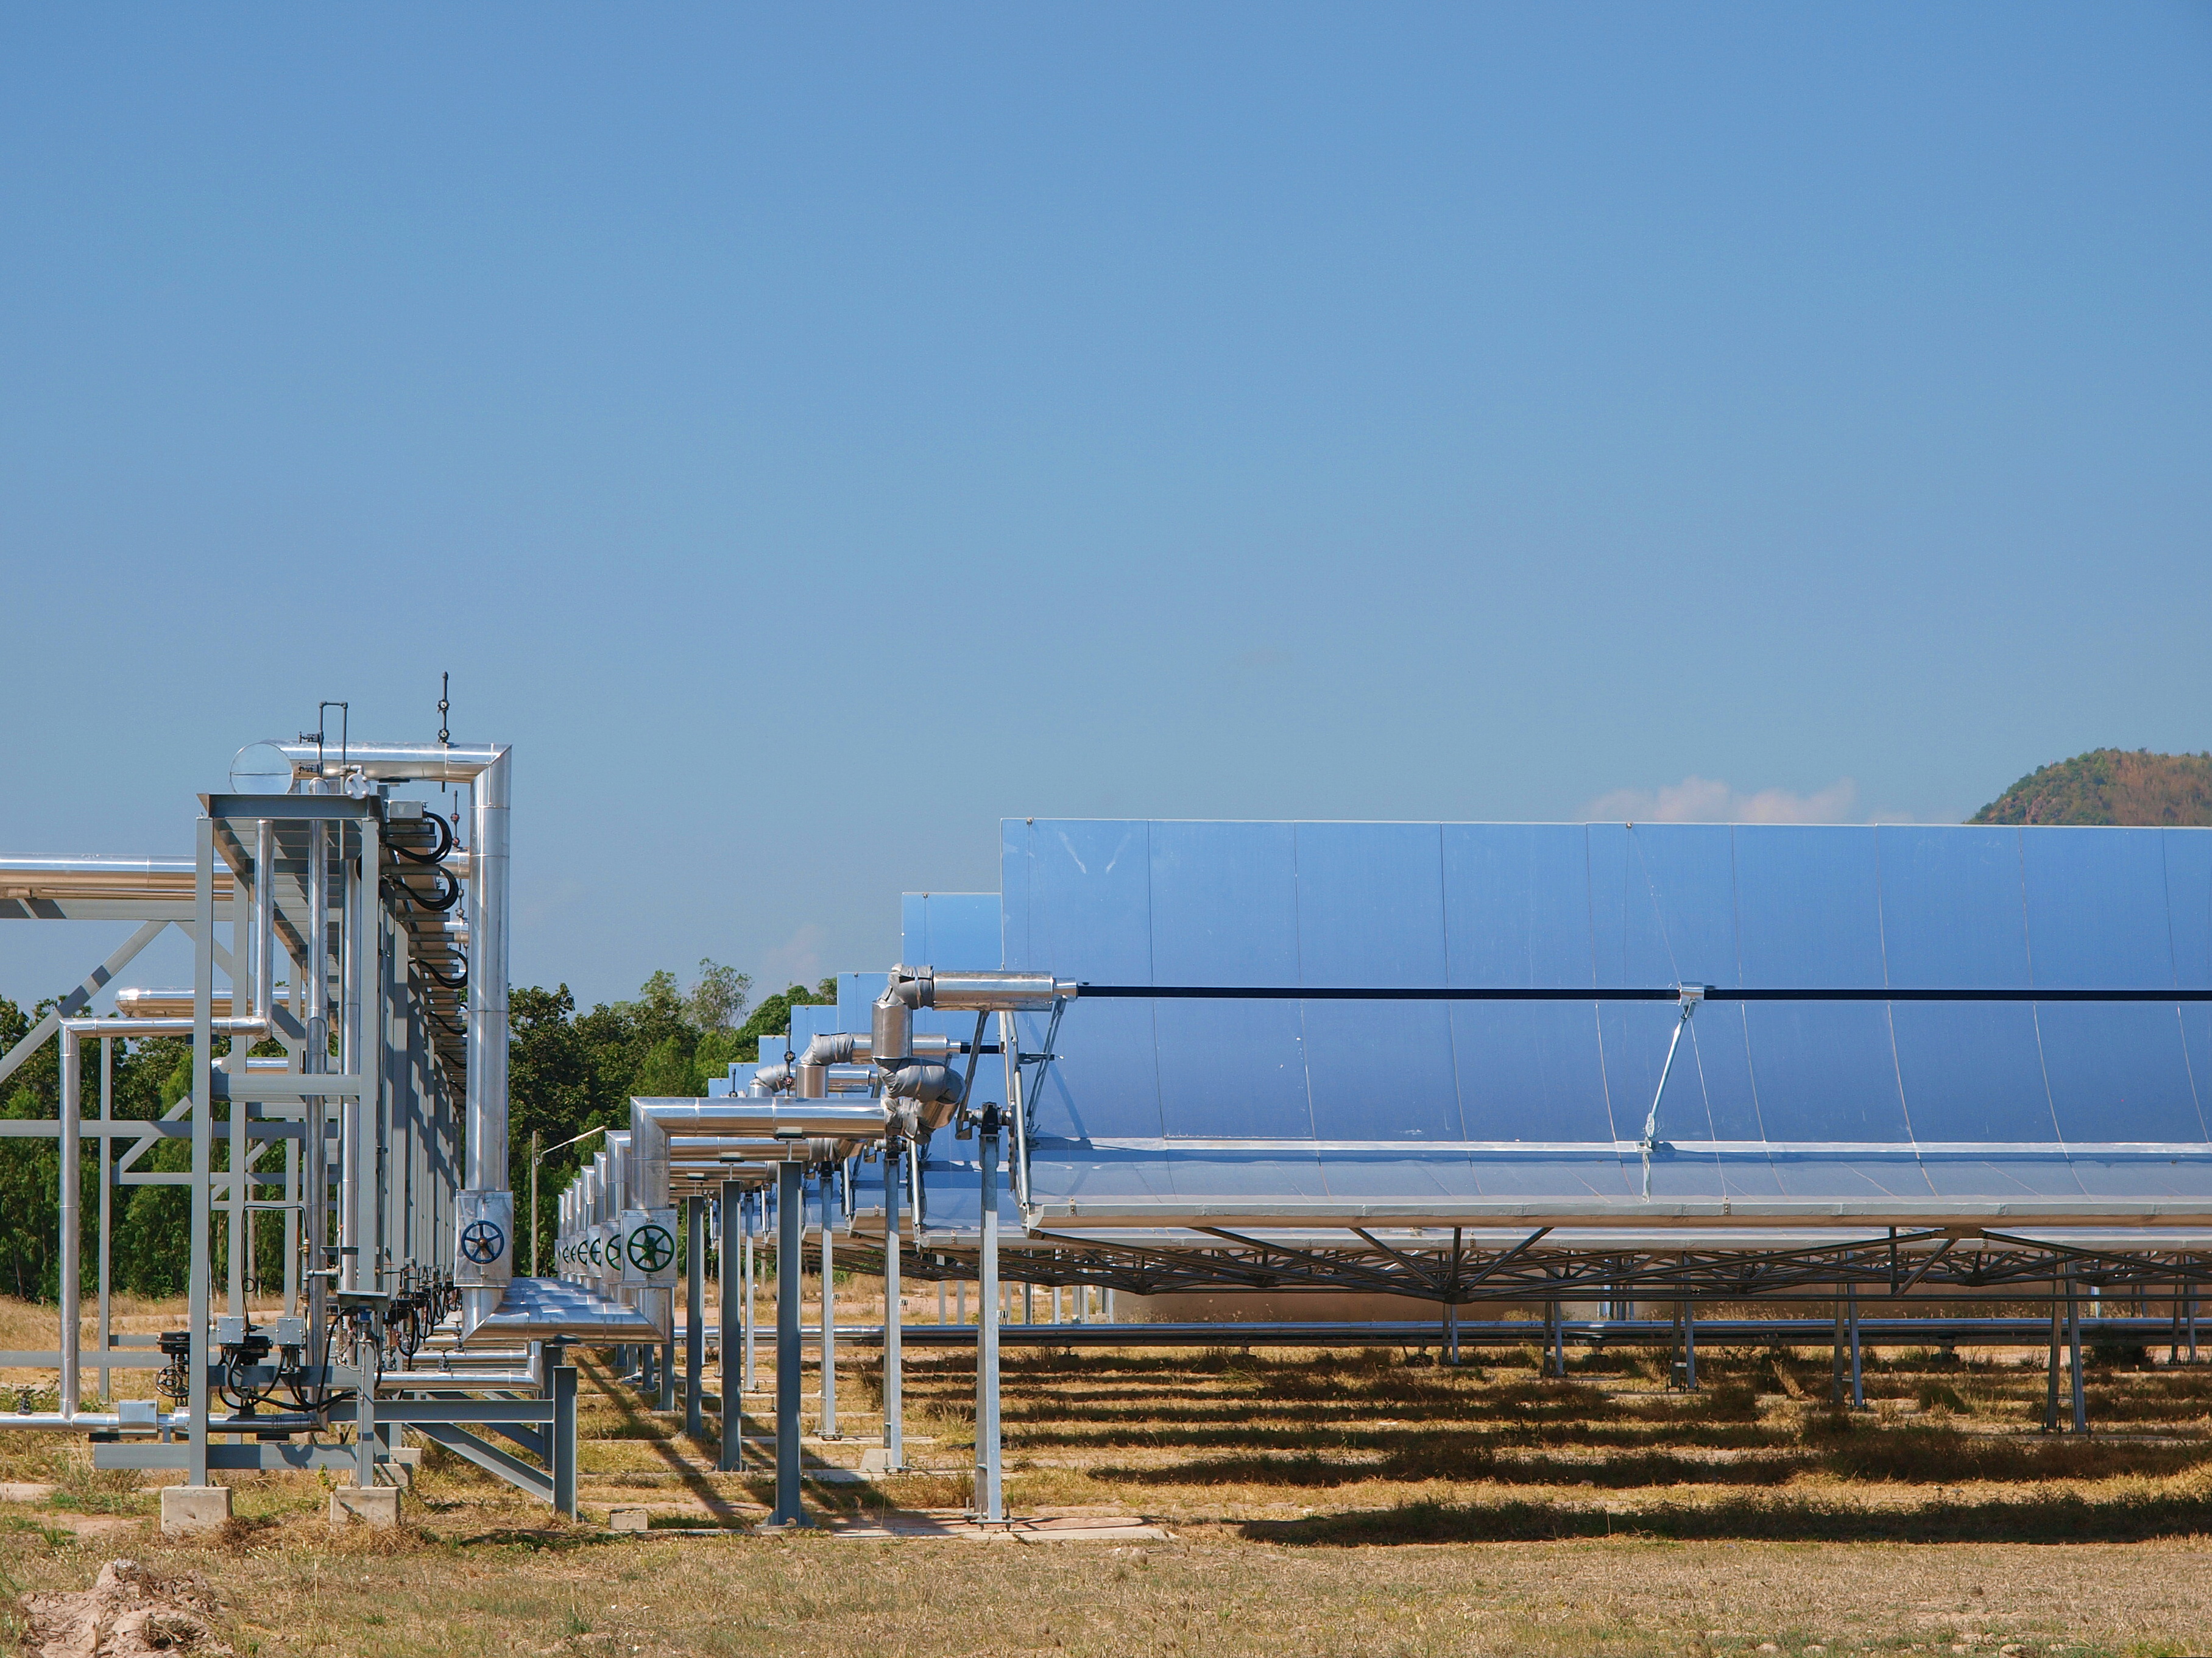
<point>441,900</point>
<point>437,854</point>
<point>1610,993</point>
<point>429,972</point>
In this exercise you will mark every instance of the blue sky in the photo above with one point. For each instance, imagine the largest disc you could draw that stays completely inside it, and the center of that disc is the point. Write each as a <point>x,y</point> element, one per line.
<point>811,434</point>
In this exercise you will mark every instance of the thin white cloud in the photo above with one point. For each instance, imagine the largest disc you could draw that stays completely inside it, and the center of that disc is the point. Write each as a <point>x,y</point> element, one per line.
<point>1707,799</point>
<point>798,960</point>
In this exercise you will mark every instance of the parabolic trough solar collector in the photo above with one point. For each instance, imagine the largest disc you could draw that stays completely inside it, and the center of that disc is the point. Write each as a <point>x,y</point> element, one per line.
<point>1466,1024</point>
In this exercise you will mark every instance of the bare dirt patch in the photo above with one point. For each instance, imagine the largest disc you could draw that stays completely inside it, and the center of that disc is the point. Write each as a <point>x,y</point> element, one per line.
<point>129,1611</point>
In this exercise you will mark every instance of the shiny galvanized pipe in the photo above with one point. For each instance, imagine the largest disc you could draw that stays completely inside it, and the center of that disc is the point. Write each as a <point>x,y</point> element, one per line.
<point>102,877</point>
<point>485,768</point>
<point>315,1060</point>
<point>264,917</point>
<point>71,1225</point>
<point>828,1369</point>
<point>351,1254</point>
<point>70,1218</point>
<point>894,1318</point>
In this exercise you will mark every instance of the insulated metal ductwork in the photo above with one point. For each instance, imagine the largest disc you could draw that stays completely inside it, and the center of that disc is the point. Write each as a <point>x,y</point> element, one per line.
<point>485,768</point>
<point>815,1075</point>
<point>929,1083</point>
<point>780,1127</point>
<point>897,1050</point>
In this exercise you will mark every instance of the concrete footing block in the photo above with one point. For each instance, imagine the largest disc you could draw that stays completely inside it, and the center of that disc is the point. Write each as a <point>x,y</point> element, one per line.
<point>189,1508</point>
<point>629,1517</point>
<point>375,1505</point>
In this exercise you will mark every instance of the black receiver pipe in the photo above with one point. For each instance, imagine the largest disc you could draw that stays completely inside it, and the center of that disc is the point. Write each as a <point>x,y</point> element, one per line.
<point>1612,993</point>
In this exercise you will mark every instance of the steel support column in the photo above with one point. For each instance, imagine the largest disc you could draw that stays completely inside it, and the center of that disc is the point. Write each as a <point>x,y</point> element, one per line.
<point>732,1454</point>
<point>828,1306</point>
<point>791,1230</point>
<point>894,1348</point>
<point>695,1315</point>
<point>989,1506</point>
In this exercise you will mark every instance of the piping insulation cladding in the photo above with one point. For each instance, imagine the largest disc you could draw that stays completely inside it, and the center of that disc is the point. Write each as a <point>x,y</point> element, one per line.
<point>1610,993</point>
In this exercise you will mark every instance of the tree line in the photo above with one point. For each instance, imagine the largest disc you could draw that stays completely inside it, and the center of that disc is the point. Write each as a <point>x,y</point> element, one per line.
<point>569,1073</point>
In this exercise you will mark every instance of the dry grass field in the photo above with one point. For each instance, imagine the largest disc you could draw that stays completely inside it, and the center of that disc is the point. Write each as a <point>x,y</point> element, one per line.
<point>1359,1503</point>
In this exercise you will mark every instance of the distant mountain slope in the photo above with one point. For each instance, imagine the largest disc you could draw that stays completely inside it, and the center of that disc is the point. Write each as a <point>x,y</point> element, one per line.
<point>2110,785</point>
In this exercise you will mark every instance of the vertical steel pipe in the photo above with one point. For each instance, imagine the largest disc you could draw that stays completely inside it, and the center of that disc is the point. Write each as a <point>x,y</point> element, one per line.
<point>562,1439</point>
<point>989,1509</point>
<point>745,1219</point>
<point>197,1264</point>
<point>487,923</point>
<point>1858,1379</point>
<point>2074,1354</point>
<point>695,1315</point>
<point>894,1320</point>
<point>264,918</point>
<point>734,1415</point>
<point>791,1225</point>
<point>372,1020</point>
<point>350,1105</point>
<point>828,1306</point>
<point>314,1059</point>
<point>72,1223</point>
<point>106,1268</point>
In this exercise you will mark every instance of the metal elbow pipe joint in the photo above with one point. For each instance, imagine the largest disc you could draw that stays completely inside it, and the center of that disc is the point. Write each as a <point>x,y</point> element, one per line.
<point>974,992</point>
<point>929,1084</point>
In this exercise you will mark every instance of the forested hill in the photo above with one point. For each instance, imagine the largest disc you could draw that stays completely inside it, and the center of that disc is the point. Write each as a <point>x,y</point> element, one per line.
<point>2110,786</point>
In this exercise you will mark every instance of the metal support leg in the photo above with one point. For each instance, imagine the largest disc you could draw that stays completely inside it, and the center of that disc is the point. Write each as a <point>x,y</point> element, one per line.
<point>71,1222</point>
<point>1858,1383</point>
<point>733,1249</point>
<point>751,1310</point>
<point>790,1224</point>
<point>1451,1332</point>
<point>107,1265</point>
<point>199,1263</point>
<point>562,1446</point>
<point>2050,1370</point>
<point>668,1374</point>
<point>989,1505</point>
<point>894,1320</point>
<point>2074,1354</point>
<point>364,1433</point>
<point>1835,1362</point>
<point>695,1318</point>
<point>828,1310</point>
<point>1690,1345</point>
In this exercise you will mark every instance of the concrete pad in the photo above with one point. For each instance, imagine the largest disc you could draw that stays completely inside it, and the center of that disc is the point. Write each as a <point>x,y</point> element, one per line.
<point>24,1491</point>
<point>189,1508</point>
<point>629,1517</point>
<point>877,1461</point>
<point>374,1505</point>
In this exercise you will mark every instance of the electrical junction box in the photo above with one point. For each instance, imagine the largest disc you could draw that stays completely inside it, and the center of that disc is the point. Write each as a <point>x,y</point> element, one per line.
<point>291,1333</point>
<point>229,1331</point>
<point>483,1238</point>
<point>648,1248</point>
